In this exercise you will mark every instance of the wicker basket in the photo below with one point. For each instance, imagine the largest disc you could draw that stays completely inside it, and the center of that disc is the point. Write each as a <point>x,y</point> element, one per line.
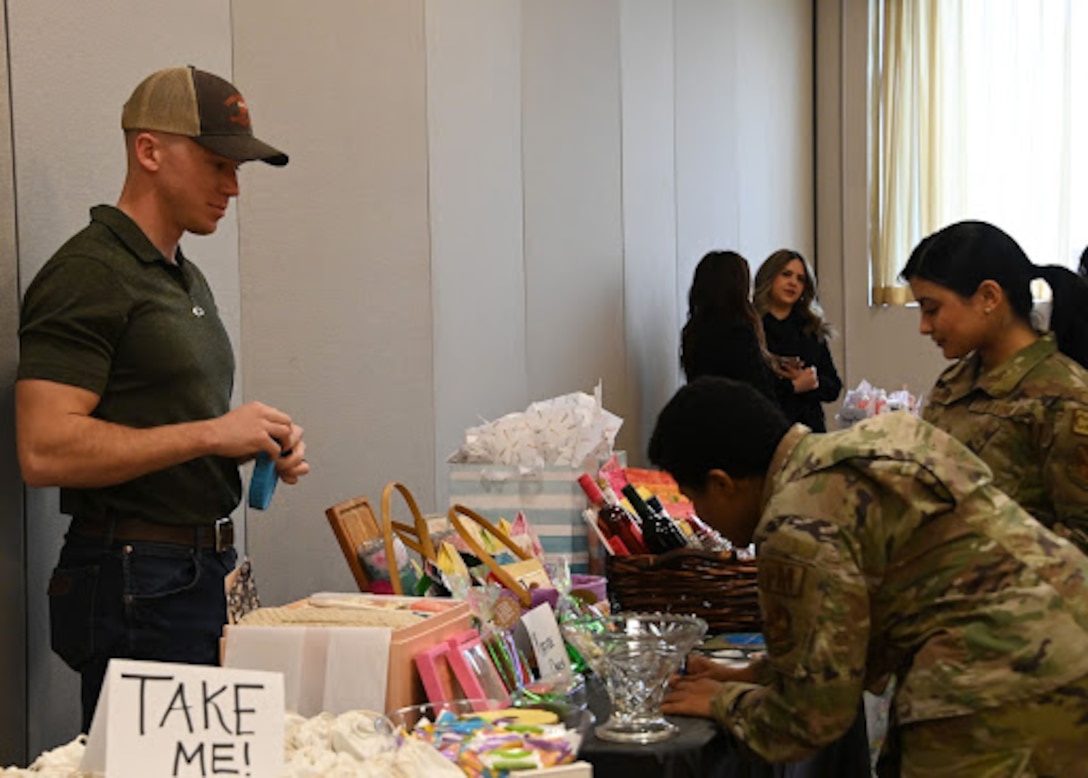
<point>720,590</point>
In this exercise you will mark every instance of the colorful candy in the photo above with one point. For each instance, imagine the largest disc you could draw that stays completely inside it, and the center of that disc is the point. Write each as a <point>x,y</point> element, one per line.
<point>494,743</point>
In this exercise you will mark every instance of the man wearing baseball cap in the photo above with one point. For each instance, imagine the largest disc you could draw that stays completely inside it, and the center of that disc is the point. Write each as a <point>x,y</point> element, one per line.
<point>123,393</point>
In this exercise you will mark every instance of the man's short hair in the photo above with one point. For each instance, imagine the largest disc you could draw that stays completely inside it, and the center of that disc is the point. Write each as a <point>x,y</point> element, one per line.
<point>716,424</point>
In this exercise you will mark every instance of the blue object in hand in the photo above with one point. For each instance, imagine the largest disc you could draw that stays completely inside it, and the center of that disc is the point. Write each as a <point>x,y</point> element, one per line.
<point>263,483</point>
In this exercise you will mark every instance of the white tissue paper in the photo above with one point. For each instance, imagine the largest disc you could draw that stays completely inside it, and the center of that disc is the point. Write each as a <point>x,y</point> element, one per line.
<point>867,401</point>
<point>567,431</point>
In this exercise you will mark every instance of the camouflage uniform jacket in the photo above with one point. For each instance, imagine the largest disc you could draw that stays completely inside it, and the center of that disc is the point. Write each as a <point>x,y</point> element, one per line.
<point>1028,420</point>
<point>886,549</point>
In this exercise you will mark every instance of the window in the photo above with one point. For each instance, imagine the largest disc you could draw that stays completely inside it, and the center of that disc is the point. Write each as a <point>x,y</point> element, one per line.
<point>978,110</point>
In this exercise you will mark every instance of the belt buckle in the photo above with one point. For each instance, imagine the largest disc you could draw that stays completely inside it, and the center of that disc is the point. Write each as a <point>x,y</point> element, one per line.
<point>224,535</point>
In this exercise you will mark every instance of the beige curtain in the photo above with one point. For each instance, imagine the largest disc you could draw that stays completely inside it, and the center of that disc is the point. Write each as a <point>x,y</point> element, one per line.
<point>978,110</point>
<point>911,167</point>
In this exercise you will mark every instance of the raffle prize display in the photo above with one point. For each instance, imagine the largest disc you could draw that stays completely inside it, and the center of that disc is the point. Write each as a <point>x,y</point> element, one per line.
<point>556,567</point>
<point>670,577</point>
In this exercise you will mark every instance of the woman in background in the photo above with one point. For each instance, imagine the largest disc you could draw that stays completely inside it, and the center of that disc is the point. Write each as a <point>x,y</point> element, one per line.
<point>797,336</point>
<point>723,336</point>
<point>1016,396</point>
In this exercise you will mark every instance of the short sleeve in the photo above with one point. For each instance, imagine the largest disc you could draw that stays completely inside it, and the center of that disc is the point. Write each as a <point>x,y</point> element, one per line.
<point>72,316</point>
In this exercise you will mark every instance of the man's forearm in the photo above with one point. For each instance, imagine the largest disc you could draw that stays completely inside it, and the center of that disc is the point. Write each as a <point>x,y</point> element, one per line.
<point>85,452</point>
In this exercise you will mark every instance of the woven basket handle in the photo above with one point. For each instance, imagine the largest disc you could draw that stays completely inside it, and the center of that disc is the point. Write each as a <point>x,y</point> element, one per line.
<point>415,536</point>
<point>507,580</point>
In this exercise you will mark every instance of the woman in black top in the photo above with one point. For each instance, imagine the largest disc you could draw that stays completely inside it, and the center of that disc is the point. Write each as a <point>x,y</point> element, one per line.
<point>797,338</point>
<point>723,336</point>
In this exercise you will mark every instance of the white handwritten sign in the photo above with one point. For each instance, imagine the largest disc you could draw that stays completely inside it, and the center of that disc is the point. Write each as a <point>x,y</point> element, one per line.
<point>156,719</point>
<point>551,651</point>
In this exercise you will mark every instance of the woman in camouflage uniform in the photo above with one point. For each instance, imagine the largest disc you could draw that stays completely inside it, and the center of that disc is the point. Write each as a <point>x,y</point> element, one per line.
<point>1016,396</point>
<point>883,549</point>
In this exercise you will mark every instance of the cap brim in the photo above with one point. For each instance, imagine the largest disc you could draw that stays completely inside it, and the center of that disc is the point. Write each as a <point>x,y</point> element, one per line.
<point>242,148</point>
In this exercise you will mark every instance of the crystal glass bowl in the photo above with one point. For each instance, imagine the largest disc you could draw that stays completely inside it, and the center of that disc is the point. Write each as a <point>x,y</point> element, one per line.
<point>634,654</point>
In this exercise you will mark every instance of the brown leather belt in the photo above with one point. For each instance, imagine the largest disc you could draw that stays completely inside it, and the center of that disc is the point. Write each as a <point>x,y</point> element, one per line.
<point>218,536</point>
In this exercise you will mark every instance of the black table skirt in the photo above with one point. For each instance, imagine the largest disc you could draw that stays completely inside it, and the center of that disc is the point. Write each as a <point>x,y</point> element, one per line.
<point>703,750</point>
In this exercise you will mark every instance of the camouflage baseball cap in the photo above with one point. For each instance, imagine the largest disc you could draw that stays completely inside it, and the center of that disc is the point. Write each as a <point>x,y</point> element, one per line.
<point>199,105</point>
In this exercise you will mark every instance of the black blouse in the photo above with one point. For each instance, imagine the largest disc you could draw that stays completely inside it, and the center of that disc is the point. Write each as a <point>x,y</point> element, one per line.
<point>729,349</point>
<point>787,338</point>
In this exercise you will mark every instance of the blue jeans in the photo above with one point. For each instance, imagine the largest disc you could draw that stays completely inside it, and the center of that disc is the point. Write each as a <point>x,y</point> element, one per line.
<point>135,600</point>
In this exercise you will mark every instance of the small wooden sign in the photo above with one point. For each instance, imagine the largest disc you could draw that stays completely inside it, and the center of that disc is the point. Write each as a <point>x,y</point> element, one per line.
<point>186,721</point>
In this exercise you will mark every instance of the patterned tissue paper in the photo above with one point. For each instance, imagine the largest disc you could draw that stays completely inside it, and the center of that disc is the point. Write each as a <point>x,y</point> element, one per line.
<point>566,431</point>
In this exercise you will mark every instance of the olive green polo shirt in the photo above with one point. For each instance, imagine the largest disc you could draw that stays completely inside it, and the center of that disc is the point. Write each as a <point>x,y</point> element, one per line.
<point>109,314</point>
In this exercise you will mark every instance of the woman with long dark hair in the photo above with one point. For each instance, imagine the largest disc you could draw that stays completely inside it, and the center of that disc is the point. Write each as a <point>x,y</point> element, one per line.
<point>1017,396</point>
<point>723,335</point>
<point>797,335</point>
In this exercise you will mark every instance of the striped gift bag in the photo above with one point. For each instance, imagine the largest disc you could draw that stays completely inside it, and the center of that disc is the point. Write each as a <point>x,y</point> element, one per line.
<point>551,500</point>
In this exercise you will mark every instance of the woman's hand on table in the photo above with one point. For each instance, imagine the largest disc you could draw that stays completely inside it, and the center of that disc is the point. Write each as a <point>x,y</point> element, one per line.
<point>699,666</point>
<point>691,696</point>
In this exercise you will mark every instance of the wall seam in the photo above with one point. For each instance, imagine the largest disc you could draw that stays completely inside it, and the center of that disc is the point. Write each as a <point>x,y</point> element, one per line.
<point>239,383</point>
<point>19,490</point>
<point>430,253</point>
<point>521,162</point>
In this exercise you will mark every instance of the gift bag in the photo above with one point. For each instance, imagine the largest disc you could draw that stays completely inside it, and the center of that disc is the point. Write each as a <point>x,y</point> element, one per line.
<point>530,461</point>
<point>550,498</point>
<point>519,576</point>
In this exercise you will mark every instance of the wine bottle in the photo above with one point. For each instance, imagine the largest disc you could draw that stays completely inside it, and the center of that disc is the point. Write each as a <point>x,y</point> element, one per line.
<point>691,540</point>
<point>611,498</point>
<point>658,531</point>
<point>614,517</point>
<point>711,538</point>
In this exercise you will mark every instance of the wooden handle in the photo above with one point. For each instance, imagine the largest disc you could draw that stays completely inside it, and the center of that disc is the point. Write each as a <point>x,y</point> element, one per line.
<point>507,580</point>
<point>415,536</point>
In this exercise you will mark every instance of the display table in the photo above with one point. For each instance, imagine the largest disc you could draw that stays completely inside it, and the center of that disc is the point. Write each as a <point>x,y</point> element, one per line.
<point>702,750</point>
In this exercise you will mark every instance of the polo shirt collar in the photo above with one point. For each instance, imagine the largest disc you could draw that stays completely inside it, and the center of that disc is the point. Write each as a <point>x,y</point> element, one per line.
<point>130,234</point>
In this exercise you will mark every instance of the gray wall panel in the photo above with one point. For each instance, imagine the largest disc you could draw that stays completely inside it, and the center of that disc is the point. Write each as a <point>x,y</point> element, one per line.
<point>573,205</point>
<point>708,172</point>
<point>336,284</point>
<point>477,266</point>
<point>652,318</point>
<point>12,535</point>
